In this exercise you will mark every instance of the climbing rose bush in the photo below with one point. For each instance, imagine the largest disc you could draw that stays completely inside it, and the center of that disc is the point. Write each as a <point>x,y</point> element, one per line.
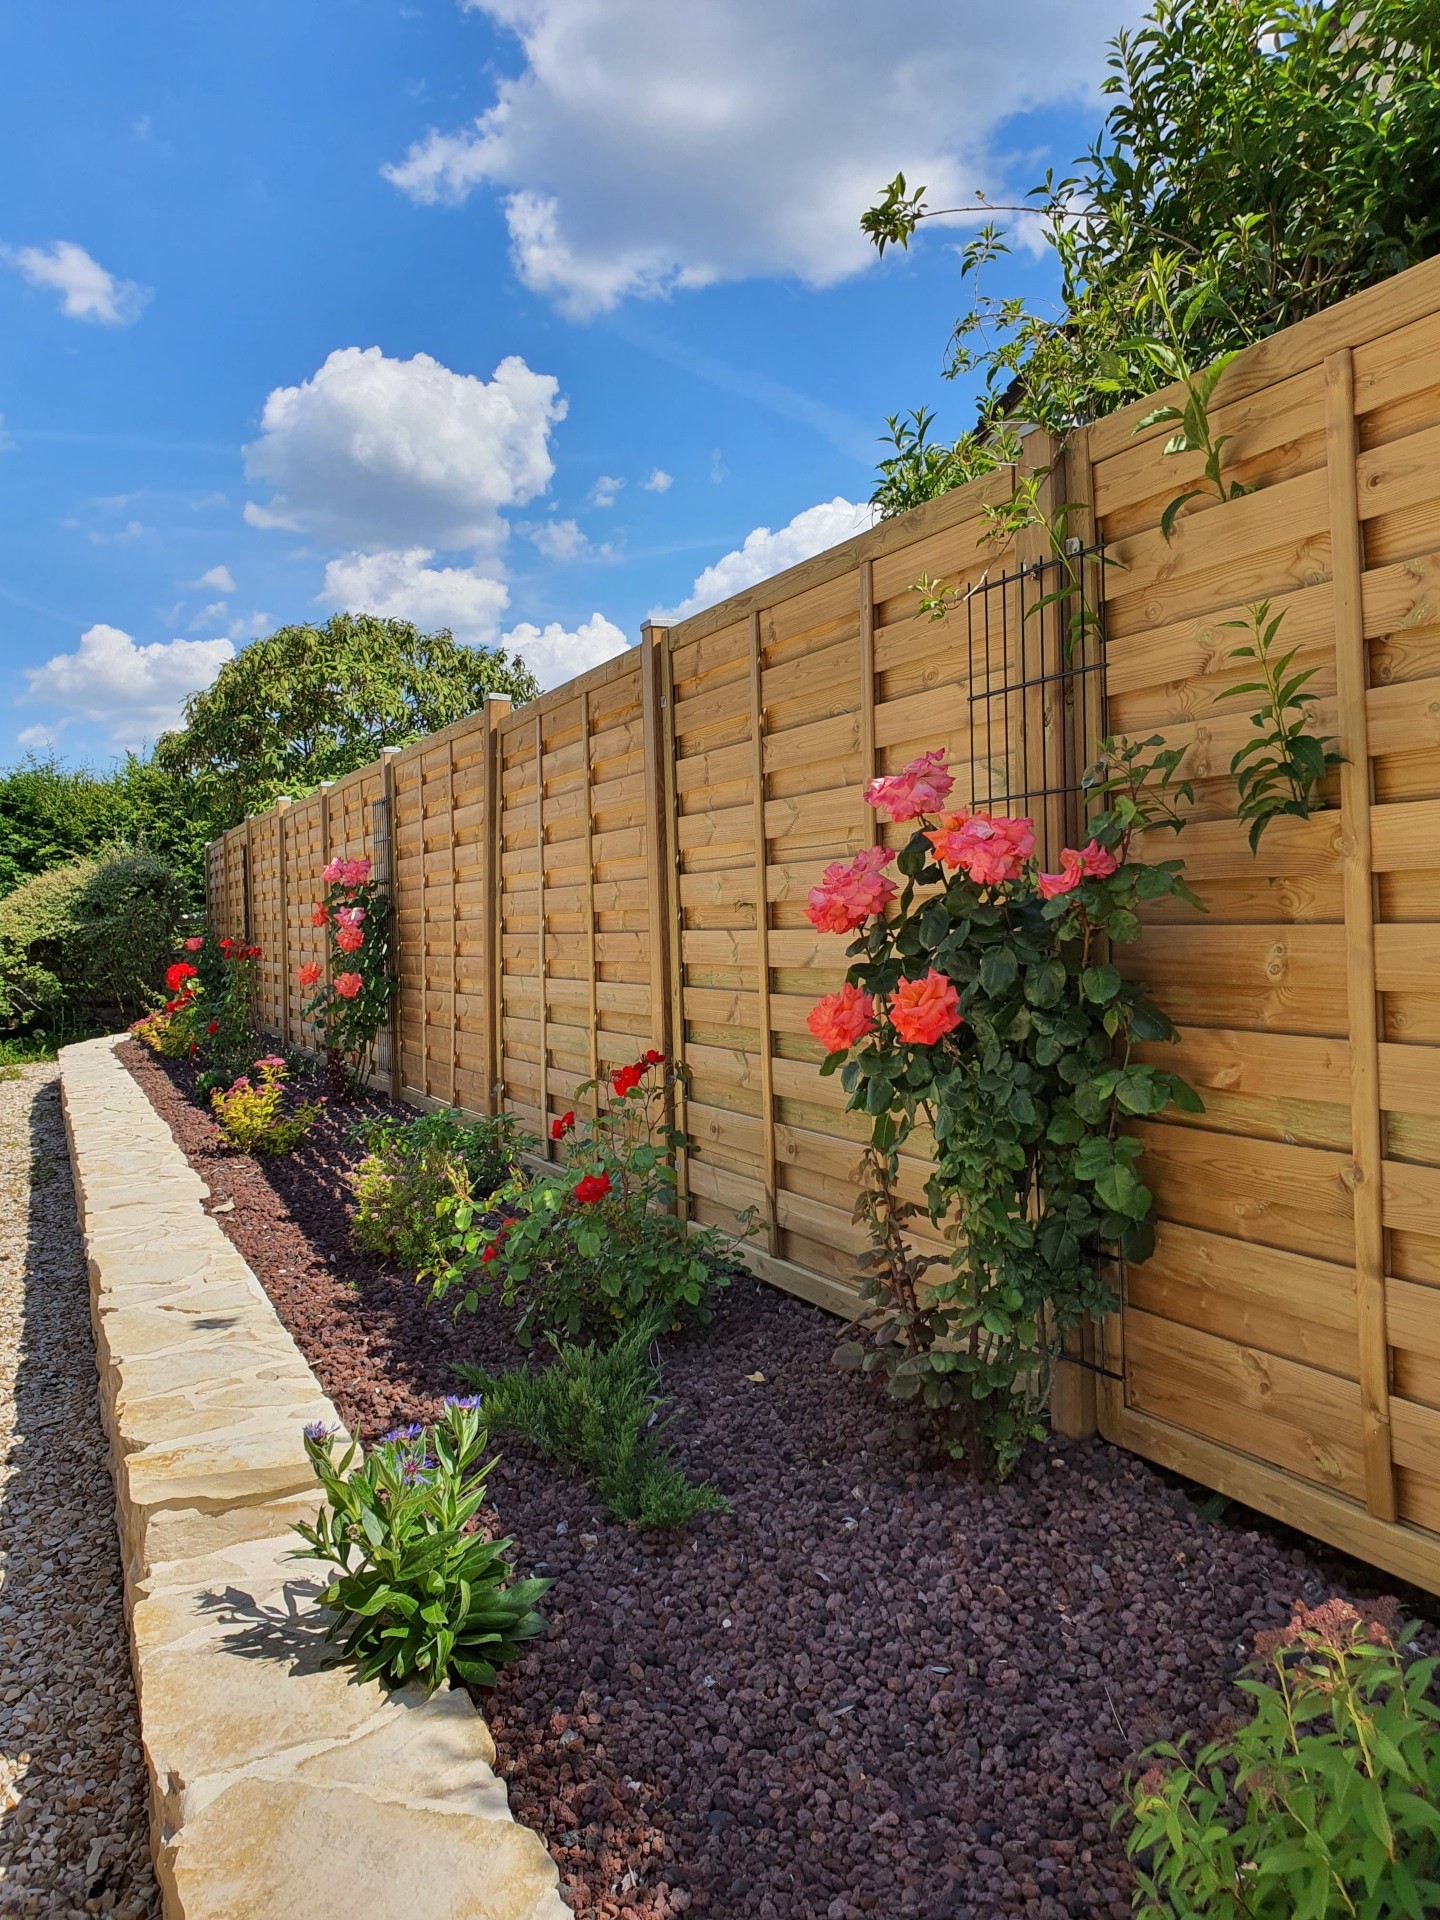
<point>353,1005</point>
<point>981,1008</point>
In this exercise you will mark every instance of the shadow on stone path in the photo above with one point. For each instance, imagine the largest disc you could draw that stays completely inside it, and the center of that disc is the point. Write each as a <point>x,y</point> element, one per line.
<point>73,1833</point>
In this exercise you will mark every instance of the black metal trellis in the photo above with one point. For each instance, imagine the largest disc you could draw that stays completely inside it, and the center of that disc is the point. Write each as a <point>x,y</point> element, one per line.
<point>1036,640</point>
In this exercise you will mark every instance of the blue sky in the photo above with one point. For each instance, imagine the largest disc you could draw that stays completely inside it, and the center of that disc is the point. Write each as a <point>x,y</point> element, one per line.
<point>228,228</point>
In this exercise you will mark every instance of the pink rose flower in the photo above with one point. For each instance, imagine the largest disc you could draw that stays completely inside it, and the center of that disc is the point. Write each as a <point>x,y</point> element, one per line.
<point>842,1018</point>
<point>349,939</point>
<point>1100,863</point>
<point>924,1011</point>
<point>919,788</point>
<point>849,893</point>
<point>991,848</point>
<point>349,916</point>
<point>1072,872</point>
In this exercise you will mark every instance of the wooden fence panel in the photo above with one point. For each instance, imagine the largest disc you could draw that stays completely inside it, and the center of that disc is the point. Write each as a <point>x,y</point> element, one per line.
<point>625,862</point>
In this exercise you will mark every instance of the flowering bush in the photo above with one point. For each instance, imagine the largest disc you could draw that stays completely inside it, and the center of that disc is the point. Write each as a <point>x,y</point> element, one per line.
<point>251,1113</point>
<point>226,1036</point>
<point>174,1029</point>
<point>584,1250</point>
<point>411,1165</point>
<point>984,1008</point>
<point>1325,1802</point>
<point>420,1590</point>
<point>351,1009</point>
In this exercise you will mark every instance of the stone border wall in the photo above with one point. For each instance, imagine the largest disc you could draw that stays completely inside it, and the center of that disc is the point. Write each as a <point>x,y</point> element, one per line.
<point>279,1789</point>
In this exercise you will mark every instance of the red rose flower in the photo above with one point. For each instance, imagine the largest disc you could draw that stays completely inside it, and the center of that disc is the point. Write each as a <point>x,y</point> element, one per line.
<point>319,915</point>
<point>177,975</point>
<point>213,1027</point>
<point>923,1011</point>
<point>842,1018</point>
<point>489,1254</point>
<point>195,943</point>
<point>593,1187</point>
<point>654,1059</point>
<point>309,973</point>
<point>625,1080</point>
<point>559,1128</point>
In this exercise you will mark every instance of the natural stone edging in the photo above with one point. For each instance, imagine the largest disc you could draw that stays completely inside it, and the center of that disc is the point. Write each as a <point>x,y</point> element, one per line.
<point>279,1788</point>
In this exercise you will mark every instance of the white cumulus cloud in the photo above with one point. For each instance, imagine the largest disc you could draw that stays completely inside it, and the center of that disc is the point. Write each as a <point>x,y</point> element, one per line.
<point>402,586</point>
<point>555,653</point>
<point>763,553</point>
<point>658,482</point>
<point>36,739</point>
<point>217,577</point>
<point>135,692</point>
<point>603,493</point>
<point>558,539</point>
<point>86,290</point>
<point>375,453</point>
<point>646,148</point>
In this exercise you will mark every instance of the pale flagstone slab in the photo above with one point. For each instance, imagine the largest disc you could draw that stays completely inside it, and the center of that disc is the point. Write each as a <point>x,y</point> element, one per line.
<point>280,1788</point>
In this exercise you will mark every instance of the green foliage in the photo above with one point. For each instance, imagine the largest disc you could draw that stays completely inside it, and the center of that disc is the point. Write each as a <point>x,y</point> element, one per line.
<point>585,1250</point>
<point>597,1410</point>
<point>1026,1080</point>
<point>251,1114</point>
<point>1281,771</point>
<point>420,1591</point>
<point>51,815</point>
<point>85,940</point>
<point>410,1166</point>
<point>1326,1802</point>
<point>314,703</point>
<point>1276,155</point>
<point>226,1035</point>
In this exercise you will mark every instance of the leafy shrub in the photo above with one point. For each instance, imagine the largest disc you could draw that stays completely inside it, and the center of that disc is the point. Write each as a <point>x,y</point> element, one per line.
<point>252,1117</point>
<point>419,1591</point>
<point>595,1409</point>
<point>1325,1802</point>
<point>88,939</point>
<point>584,1251</point>
<point>412,1165</point>
<point>226,1036</point>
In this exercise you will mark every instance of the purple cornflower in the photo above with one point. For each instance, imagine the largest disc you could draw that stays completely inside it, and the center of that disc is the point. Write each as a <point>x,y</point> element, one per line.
<point>413,1467</point>
<point>466,1401</point>
<point>397,1434</point>
<point>318,1430</point>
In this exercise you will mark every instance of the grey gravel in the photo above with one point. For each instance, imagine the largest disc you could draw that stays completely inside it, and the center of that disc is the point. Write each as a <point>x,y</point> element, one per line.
<point>73,1837</point>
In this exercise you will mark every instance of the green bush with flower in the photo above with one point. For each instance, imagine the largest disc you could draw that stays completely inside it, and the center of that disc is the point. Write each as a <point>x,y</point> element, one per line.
<point>1325,1802</point>
<point>410,1166</point>
<point>981,1004</point>
<point>419,1590</point>
<point>252,1113</point>
<point>585,1249</point>
<point>353,1004</point>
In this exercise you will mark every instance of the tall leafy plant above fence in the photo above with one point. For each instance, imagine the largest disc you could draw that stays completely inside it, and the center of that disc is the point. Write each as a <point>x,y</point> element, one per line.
<point>1277,154</point>
<point>980,1003</point>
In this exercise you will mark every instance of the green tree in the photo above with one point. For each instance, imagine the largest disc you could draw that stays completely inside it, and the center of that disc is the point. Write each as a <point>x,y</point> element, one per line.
<point>1260,160</point>
<point>313,703</point>
<point>51,814</point>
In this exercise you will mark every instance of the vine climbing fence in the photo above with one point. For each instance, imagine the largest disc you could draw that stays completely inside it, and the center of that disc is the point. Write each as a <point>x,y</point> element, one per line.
<point>624,863</point>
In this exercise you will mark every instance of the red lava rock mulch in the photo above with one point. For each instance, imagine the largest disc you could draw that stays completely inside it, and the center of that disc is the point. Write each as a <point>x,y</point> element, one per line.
<point>873,1687</point>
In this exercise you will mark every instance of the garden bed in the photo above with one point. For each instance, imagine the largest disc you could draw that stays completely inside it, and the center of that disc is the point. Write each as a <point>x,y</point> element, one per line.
<point>875,1686</point>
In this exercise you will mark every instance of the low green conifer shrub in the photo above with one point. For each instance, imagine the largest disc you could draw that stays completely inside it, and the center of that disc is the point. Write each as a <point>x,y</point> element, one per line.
<point>597,1411</point>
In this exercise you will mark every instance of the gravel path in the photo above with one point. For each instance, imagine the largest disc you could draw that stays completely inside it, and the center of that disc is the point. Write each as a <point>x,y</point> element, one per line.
<point>875,1687</point>
<point>73,1834</point>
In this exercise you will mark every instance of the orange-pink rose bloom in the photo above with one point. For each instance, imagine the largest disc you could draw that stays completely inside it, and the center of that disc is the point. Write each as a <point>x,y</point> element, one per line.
<point>919,788</point>
<point>347,985</point>
<point>924,1011</point>
<point>349,939</point>
<point>842,1018</point>
<point>1099,862</point>
<point>309,973</point>
<point>989,847</point>
<point>1092,862</point>
<point>850,892</point>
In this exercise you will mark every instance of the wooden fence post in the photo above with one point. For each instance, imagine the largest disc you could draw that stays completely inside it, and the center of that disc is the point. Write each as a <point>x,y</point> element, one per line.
<point>282,895</point>
<point>762,940</point>
<point>491,886</point>
<point>388,756</point>
<point>1342,449</point>
<point>666,928</point>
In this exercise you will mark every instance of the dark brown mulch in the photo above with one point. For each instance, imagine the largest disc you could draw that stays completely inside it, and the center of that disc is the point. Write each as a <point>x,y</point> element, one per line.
<point>873,1688</point>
